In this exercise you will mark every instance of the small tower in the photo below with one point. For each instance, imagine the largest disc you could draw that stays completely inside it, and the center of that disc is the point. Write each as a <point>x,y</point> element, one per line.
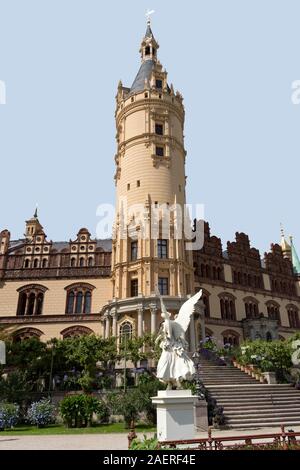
<point>33,226</point>
<point>286,248</point>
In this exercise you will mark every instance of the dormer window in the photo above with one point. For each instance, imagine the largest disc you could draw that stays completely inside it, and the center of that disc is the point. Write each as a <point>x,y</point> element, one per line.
<point>159,84</point>
<point>147,50</point>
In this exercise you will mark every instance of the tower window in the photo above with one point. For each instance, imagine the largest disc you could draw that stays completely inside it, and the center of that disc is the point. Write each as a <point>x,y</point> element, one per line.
<point>162,249</point>
<point>159,84</point>
<point>163,285</point>
<point>132,99</point>
<point>134,287</point>
<point>134,250</point>
<point>146,95</point>
<point>128,186</point>
<point>138,183</point>
<point>159,129</point>
<point>159,151</point>
<point>147,50</point>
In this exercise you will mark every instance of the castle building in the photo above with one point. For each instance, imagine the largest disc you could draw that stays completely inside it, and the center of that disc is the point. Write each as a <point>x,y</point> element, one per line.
<point>109,287</point>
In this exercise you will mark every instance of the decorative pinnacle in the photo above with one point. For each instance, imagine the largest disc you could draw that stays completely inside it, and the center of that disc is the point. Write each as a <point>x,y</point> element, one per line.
<point>36,212</point>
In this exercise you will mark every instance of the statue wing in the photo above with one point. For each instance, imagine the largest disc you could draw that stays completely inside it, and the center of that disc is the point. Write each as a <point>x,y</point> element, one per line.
<point>187,310</point>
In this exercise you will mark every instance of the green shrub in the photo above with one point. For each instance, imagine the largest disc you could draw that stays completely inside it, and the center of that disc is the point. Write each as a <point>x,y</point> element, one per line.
<point>77,410</point>
<point>128,404</point>
<point>147,443</point>
<point>9,415</point>
<point>41,413</point>
<point>268,356</point>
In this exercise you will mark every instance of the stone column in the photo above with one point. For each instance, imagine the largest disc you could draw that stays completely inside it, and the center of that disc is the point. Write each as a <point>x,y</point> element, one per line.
<point>107,326</point>
<point>114,325</point>
<point>153,311</point>
<point>140,312</point>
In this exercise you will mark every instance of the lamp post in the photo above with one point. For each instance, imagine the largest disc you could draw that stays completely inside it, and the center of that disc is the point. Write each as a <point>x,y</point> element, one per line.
<point>199,385</point>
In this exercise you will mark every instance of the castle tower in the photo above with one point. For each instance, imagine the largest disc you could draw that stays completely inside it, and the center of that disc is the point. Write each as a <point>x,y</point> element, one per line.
<point>150,173</point>
<point>33,226</point>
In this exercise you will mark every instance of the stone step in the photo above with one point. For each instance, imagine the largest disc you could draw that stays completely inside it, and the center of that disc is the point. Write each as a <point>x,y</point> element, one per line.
<point>256,386</point>
<point>258,407</point>
<point>263,412</point>
<point>253,395</point>
<point>262,424</point>
<point>264,404</point>
<point>258,419</point>
<point>219,377</point>
<point>245,380</point>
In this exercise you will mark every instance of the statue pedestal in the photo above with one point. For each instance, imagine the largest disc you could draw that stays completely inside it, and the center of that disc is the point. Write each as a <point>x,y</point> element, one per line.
<point>175,414</point>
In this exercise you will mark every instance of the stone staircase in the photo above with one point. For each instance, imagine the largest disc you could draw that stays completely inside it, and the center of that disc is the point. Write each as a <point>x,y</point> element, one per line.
<point>247,403</point>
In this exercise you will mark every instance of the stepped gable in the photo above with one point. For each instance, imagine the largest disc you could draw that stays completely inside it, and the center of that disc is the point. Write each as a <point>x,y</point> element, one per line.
<point>240,252</point>
<point>276,263</point>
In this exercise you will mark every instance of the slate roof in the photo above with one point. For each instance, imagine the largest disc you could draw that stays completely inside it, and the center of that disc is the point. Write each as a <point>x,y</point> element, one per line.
<point>144,72</point>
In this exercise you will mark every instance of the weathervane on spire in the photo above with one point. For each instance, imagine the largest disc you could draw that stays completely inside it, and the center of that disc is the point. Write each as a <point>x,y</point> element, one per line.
<point>148,15</point>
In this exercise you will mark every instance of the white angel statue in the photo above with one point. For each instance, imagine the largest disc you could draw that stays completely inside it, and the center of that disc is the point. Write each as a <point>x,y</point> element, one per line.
<point>174,364</point>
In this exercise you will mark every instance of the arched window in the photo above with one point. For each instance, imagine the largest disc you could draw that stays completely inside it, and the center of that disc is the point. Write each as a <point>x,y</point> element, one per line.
<point>273,311</point>
<point>70,302</point>
<point>91,261</point>
<point>22,304</point>
<point>73,262</point>
<point>26,263</point>
<point>74,331</point>
<point>79,301</point>
<point>81,262</point>
<point>87,302</point>
<point>36,263</point>
<point>31,300</point>
<point>39,304</point>
<point>26,333</point>
<point>45,263</point>
<point>125,331</point>
<point>230,337</point>
<point>227,306</point>
<point>205,299</point>
<point>251,307</point>
<point>293,315</point>
<point>79,298</point>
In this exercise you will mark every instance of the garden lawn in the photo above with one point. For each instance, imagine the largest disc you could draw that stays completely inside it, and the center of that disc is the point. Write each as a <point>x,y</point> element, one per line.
<point>60,429</point>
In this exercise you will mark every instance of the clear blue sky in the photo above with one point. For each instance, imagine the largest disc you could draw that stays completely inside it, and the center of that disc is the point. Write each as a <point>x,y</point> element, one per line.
<point>234,62</point>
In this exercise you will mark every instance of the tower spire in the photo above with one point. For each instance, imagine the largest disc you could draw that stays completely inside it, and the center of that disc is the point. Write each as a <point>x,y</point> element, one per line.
<point>295,258</point>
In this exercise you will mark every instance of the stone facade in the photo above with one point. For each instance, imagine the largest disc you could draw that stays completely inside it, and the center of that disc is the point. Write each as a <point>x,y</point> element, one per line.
<point>58,289</point>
